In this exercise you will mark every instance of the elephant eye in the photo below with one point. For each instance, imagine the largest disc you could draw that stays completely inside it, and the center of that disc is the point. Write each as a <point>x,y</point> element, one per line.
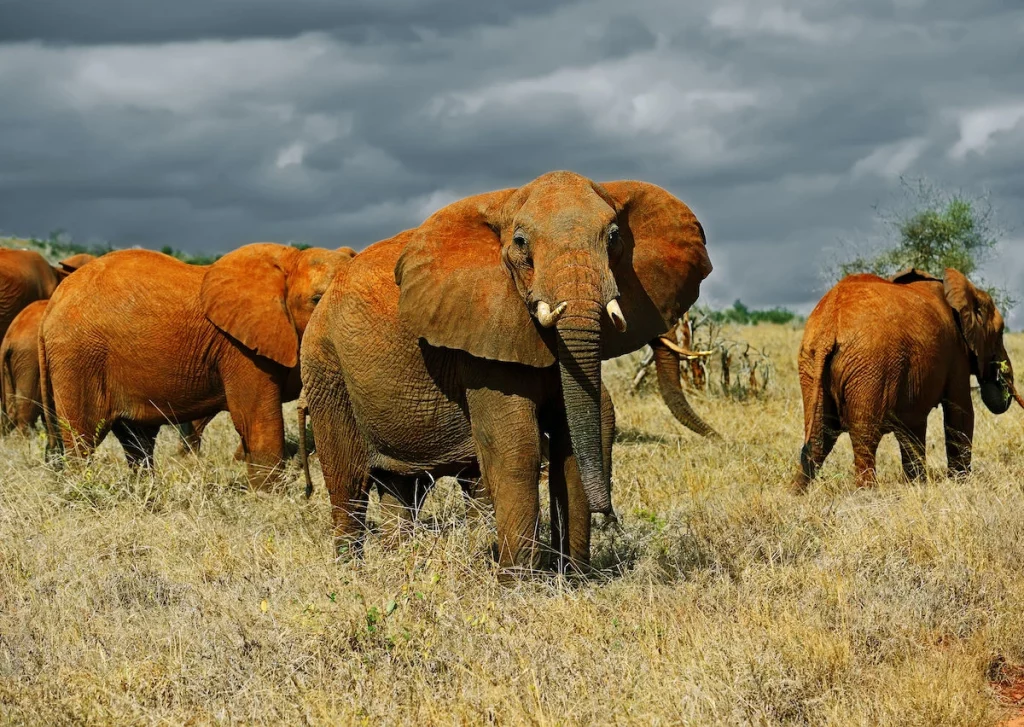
<point>317,297</point>
<point>613,236</point>
<point>519,239</point>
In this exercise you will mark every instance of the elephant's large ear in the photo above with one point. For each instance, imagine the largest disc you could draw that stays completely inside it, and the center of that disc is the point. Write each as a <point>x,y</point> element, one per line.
<point>663,261</point>
<point>456,292</point>
<point>243,294</point>
<point>913,275</point>
<point>70,264</point>
<point>962,297</point>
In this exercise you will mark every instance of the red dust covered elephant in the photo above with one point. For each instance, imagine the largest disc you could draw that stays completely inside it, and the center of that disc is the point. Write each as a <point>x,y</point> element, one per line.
<point>878,355</point>
<point>138,339</point>
<point>462,341</point>
<point>20,398</point>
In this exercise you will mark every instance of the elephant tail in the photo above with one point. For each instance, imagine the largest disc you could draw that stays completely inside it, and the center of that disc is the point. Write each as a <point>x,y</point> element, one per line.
<point>303,453</point>
<point>6,389</point>
<point>53,441</point>
<point>815,364</point>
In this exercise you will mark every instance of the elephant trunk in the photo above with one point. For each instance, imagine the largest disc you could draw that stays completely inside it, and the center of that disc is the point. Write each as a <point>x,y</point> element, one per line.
<point>579,361</point>
<point>666,362</point>
<point>997,389</point>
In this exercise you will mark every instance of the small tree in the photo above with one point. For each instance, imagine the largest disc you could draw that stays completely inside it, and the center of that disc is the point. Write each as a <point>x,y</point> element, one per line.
<point>935,231</point>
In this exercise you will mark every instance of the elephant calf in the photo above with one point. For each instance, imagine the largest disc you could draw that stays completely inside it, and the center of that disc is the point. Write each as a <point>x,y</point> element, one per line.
<point>878,355</point>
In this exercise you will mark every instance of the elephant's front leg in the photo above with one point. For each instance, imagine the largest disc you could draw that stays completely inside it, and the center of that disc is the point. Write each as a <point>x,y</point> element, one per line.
<point>507,438</point>
<point>570,512</point>
<point>254,402</point>
<point>958,422</point>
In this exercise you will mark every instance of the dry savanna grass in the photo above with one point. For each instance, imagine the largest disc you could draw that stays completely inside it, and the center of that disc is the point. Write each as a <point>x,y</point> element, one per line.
<point>182,598</point>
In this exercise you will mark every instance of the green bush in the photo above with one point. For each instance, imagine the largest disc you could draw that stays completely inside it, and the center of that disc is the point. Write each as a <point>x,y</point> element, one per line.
<point>740,314</point>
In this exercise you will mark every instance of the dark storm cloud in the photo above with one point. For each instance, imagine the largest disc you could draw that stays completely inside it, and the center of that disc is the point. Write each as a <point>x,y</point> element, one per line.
<point>781,124</point>
<point>155,21</point>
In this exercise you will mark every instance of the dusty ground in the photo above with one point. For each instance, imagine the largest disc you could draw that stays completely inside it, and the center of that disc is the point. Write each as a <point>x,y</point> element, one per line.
<point>181,598</point>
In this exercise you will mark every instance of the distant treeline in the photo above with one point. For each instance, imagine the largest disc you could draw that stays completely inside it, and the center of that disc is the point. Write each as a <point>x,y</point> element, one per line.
<point>741,314</point>
<point>59,246</point>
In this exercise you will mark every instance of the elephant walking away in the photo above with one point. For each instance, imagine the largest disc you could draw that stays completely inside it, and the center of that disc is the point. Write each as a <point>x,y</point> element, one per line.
<point>878,355</point>
<point>20,399</point>
<point>25,277</point>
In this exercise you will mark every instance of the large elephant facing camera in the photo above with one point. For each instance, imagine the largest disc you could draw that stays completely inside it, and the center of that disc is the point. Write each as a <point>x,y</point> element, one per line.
<point>878,355</point>
<point>459,342</point>
<point>138,339</point>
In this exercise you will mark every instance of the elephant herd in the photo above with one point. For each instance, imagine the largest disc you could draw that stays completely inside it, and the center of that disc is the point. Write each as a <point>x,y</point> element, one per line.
<point>470,345</point>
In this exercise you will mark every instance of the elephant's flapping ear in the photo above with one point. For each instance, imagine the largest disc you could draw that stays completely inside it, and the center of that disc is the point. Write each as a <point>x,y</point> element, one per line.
<point>913,275</point>
<point>456,291</point>
<point>243,294</point>
<point>664,259</point>
<point>962,297</point>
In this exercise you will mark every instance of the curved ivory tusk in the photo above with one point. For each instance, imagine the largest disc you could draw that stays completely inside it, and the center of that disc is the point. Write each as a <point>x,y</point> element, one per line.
<point>615,313</point>
<point>548,317</point>
<point>682,351</point>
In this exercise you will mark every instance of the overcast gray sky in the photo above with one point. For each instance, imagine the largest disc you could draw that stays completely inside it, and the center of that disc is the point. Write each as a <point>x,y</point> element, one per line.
<point>206,124</point>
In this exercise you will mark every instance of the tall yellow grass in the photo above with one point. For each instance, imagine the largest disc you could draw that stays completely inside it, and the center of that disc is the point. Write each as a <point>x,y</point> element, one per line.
<point>181,598</point>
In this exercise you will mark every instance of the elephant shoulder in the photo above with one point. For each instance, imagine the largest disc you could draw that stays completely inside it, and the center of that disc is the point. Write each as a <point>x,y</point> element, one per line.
<point>371,274</point>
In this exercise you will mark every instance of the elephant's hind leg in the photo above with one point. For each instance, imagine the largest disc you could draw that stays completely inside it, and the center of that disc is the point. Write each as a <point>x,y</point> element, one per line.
<point>80,432</point>
<point>865,439</point>
<point>912,438</point>
<point>343,458</point>
<point>138,442</point>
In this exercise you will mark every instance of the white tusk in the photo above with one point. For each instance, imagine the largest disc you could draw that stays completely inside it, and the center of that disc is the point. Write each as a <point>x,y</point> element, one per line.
<point>682,351</point>
<point>548,317</point>
<point>615,313</point>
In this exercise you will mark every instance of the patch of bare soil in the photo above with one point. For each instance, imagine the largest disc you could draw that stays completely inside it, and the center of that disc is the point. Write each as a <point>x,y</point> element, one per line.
<point>1008,682</point>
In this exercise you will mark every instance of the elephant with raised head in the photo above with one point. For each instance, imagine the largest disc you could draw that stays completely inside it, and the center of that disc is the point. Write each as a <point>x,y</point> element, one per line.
<point>458,343</point>
<point>878,355</point>
<point>138,339</point>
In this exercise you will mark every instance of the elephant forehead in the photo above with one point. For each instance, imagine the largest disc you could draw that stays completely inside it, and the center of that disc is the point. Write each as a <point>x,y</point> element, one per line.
<point>575,211</point>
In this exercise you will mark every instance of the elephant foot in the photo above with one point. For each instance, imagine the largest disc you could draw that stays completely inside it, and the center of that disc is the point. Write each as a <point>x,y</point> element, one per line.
<point>799,483</point>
